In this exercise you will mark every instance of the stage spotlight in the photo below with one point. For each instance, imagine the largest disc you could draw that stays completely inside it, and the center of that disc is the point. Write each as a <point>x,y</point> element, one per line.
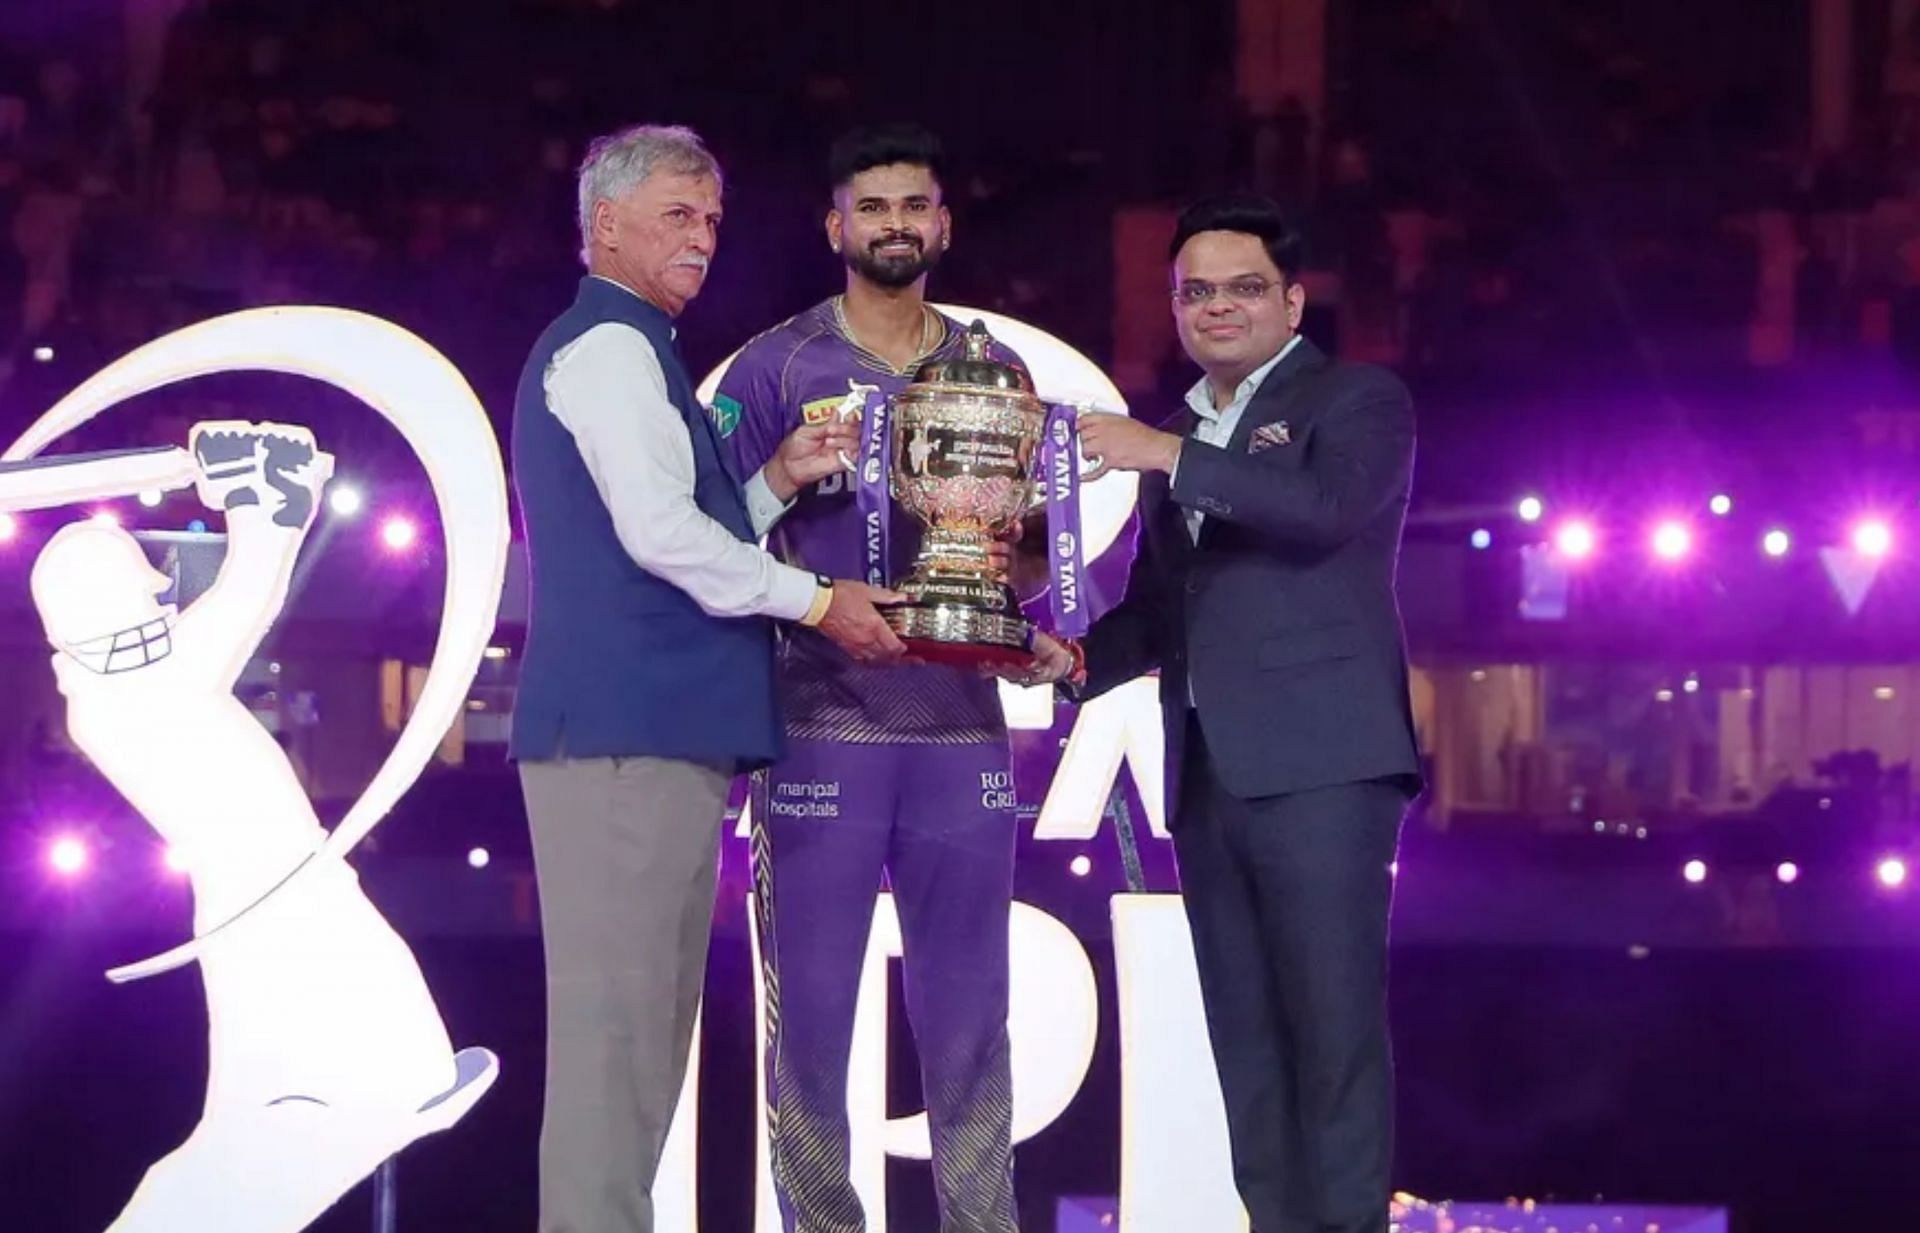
<point>1721,504</point>
<point>106,518</point>
<point>1787,872</point>
<point>43,355</point>
<point>68,856</point>
<point>1892,872</point>
<point>479,858</point>
<point>1672,541</point>
<point>1531,509</point>
<point>1080,866</point>
<point>345,499</point>
<point>152,497</point>
<point>1575,540</point>
<point>1481,538</point>
<point>1872,538</point>
<point>1776,542</point>
<point>1694,871</point>
<point>399,534</point>
<point>9,528</point>
<point>174,861</point>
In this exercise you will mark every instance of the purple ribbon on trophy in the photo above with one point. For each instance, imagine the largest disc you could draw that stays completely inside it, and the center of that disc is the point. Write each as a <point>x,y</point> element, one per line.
<point>870,487</point>
<point>1060,469</point>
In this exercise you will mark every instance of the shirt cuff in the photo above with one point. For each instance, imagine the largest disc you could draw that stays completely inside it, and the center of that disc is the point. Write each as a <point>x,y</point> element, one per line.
<point>790,591</point>
<point>763,508</point>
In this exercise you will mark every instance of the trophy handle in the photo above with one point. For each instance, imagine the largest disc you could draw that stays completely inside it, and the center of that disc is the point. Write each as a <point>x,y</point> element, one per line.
<point>1095,468</point>
<point>849,410</point>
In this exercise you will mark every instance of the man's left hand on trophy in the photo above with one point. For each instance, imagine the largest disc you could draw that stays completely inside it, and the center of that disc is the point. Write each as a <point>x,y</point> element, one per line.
<point>1111,442</point>
<point>1053,661</point>
<point>1022,559</point>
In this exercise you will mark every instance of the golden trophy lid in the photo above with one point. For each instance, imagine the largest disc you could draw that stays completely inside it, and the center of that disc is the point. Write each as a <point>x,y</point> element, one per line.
<point>976,367</point>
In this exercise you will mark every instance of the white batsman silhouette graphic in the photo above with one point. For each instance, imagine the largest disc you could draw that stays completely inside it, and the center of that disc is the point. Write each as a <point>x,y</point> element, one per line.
<point>327,1053</point>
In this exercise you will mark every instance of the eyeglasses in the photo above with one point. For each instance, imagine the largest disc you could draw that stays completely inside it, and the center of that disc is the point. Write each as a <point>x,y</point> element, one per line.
<point>1195,291</point>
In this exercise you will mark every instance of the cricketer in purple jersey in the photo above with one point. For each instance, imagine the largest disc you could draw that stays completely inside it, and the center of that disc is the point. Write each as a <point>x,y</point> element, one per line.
<point>902,771</point>
<point>801,371</point>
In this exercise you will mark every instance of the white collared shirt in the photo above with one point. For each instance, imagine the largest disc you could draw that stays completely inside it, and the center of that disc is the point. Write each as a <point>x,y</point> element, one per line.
<point>608,389</point>
<point>1215,426</point>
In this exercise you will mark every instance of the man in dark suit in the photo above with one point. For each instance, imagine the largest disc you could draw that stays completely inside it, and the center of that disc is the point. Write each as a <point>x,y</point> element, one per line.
<point>1263,592</point>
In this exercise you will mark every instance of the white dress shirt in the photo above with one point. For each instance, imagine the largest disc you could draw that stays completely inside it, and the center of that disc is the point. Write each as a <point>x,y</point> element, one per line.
<point>1215,426</point>
<point>609,391</point>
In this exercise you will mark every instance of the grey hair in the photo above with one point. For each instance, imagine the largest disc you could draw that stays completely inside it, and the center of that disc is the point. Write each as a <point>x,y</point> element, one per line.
<point>616,163</point>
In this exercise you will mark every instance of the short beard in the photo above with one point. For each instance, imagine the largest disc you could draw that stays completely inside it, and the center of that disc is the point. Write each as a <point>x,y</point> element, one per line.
<point>892,273</point>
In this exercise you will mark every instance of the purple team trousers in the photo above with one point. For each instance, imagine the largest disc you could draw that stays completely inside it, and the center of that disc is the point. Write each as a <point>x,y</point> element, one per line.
<point>938,820</point>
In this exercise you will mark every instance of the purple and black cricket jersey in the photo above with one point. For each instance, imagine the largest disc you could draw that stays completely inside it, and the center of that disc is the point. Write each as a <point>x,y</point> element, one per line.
<point>897,771</point>
<point>801,371</point>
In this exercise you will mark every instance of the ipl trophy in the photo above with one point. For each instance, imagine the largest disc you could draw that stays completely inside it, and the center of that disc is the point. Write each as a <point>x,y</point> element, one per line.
<point>969,448</point>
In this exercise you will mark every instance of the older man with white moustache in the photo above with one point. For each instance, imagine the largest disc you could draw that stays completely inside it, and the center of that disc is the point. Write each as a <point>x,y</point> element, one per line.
<point>647,681</point>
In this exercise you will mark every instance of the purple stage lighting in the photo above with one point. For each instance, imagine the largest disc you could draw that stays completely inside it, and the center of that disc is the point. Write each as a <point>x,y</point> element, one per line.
<point>1787,872</point>
<point>345,499</point>
<point>67,856</point>
<point>1892,872</point>
<point>1872,537</point>
<point>399,534</point>
<point>1776,542</point>
<point>1694,871</point>
<point>1575,540</point>
<point>1672,540</point>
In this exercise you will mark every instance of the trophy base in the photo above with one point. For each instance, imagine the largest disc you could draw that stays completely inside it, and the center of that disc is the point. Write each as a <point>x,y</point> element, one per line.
<point>961,635</point>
